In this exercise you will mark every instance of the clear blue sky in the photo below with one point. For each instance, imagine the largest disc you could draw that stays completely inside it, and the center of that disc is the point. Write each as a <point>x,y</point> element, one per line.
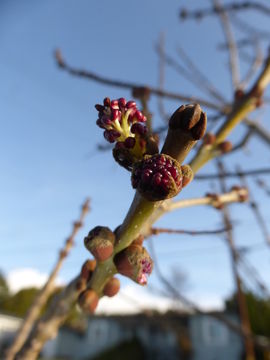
<point>48,137</point>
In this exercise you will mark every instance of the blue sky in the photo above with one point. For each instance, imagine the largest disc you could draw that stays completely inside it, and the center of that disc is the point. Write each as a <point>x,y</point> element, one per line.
<point>49,162</point>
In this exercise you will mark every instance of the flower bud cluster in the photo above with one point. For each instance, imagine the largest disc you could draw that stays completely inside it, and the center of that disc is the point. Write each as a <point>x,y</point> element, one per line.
<point>157,177</point>
<point>124,125</point>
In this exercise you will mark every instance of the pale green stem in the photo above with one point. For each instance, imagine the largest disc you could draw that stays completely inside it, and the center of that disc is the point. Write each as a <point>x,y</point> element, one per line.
<point>137,218</point>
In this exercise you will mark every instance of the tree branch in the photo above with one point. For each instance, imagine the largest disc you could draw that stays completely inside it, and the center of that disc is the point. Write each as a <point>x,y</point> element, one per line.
<point>130,85</point>
<point>47,289</point>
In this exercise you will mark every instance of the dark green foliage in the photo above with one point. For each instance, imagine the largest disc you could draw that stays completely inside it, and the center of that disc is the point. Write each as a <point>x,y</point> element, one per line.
<point>259,312</point>
<point>4,291</point>
<point>19,303</point>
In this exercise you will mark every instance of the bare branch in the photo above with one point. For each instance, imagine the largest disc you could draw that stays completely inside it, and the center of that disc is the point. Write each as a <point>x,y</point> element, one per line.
<point>47,289</point>
<point>47,327</point>
<point>256,210</point>
<point>234,174</point>
<point>157,231</point>
<point>229,7</point>
<point>215,200</point>
<point>256,64</point>
<point>201,78</point>
<point>233,52</point>
<point>242,305</point>
<point>130,85</point>
<point>259,130</point>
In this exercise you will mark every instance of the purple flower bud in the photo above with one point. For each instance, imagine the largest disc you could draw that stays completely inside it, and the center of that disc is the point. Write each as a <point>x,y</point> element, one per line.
<point>116,114</point>
<point>138,128</point>
<point>130,142</point>
<point>99,107</point>
<point>131,104</point>
<point>122,102</point>
<point>135,263</point>
<point>114,104</point>
<point>111,135</point>
<point>107,101</point>
<point>157,177</point>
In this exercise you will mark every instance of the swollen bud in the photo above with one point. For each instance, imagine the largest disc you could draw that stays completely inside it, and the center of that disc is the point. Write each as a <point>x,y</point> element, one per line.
<point>209,138</point>
<point>157,177</point>
<point>112,287</point>
<point>88,301</point>
<point>187,125</point>
<point>225,147</point>
<point>189,118</point>
<point>100,242</point>
<point>87,269</point>
<point>187,175</point>
<point>135,263</point>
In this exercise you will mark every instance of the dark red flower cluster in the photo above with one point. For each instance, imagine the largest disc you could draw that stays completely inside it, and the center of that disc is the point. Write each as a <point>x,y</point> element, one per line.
<point>121,121</point>
<point>157,177</point>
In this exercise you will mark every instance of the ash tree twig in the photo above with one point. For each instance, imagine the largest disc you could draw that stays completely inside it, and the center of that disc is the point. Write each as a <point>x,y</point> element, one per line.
<point>242,305</point>
<point>235,174</point>
<point>42,297</point>
<point>229,7</point>
<point>157,231</point>
<point>130,85</point>
<point>256,210</point>
<point>47,326</point>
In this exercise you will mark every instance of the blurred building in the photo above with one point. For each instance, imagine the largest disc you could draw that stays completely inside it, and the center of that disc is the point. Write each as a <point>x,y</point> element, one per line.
<point>152,336</point>
<point>162,337</point>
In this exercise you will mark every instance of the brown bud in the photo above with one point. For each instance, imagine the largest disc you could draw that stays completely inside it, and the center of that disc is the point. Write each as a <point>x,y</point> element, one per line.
<point>216,203</point>
<point>112,287</point>
<point>100,242</point>
<point>141,92</point>
<point>59,58</point>
<point>135,263</point>
<point>87,269</point>
<point>123,157</point>
<point>239,94</point>
<point>139,240</point>
<point>242,193</point>
<point>225,147</point>
<point>81,285</point>
<point>209,138</point>
<point>187,174</point>
<point>88,301</point>
<point>190,118</point>
<point>186,126</point>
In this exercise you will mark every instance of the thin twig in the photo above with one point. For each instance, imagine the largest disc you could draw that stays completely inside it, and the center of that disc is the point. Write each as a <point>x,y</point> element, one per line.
<point>130,85</point>
<point>242,143</point>
<point>47,289</point>
<point>256,63</point>
<point>261,183</point>
<point>47,327</point>
<point>161,73</point>
<point>215,200</point>
<point>234,174</point>
<point>256,210</point>
<point>242,305</point>
<point>201,78</point>
<point>259,130</point>
<point>229,7</point>
<point>232,48</point>
<point>157,231</point>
